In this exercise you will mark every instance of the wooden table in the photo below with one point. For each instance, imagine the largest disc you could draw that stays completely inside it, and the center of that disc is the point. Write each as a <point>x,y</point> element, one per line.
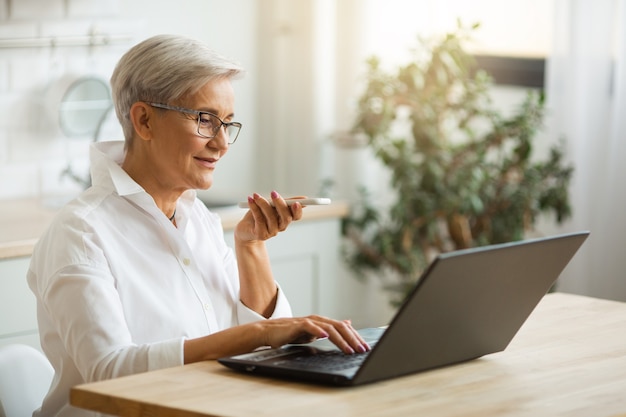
<point>569,359</point>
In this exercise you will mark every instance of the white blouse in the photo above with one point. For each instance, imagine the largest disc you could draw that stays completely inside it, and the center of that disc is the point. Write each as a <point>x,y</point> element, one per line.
<point>119,287</point>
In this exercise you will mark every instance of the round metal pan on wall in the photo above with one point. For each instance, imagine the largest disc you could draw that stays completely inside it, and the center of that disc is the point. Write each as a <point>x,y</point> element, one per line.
<point>84,105</point>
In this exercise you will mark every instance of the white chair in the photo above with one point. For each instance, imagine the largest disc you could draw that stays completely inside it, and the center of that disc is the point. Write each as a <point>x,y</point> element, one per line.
<point>25,376</point>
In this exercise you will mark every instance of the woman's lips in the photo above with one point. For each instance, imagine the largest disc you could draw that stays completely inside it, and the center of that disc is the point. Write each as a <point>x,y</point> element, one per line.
<point>207,162</point>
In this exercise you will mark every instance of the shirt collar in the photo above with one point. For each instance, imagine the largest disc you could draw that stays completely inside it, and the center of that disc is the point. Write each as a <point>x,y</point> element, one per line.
<point>106,170</point>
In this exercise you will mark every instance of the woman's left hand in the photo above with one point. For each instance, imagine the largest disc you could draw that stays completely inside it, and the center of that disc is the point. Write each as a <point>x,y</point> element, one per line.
<point>263,220</point>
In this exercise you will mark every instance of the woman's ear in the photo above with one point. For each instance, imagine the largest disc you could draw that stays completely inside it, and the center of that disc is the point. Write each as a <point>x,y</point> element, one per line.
<point>141,115</point>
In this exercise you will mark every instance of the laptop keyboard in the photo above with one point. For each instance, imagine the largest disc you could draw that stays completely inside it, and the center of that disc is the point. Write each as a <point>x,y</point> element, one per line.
<point>333,361</point>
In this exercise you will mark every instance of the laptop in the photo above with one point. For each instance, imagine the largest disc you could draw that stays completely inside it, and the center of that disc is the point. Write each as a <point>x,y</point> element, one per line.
<point>467,304</point>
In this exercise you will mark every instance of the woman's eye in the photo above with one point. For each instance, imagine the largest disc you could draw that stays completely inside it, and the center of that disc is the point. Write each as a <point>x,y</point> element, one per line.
<point>205,120</point>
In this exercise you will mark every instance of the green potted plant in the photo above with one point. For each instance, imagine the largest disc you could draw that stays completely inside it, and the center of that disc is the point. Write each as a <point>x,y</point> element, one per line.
<point>462,174</point>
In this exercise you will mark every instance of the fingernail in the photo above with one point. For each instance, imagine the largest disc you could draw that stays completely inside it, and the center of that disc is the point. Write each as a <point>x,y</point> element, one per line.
<point>250,199</point>
<point>274,194</point>
<point>350,350</point>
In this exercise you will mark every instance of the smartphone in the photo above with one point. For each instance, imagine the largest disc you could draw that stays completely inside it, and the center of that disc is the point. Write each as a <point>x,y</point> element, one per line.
<point>304,201</point>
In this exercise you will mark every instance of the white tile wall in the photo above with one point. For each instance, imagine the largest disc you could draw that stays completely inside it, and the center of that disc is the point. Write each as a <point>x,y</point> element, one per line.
<point>13,29</point>
<point>34,153</point>
<point>36,9</point>
<point>83,8</point>
<point>3,9</point>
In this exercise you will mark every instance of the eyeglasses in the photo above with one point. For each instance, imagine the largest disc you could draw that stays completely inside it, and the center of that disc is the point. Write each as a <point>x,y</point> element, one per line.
<point>209,125</point>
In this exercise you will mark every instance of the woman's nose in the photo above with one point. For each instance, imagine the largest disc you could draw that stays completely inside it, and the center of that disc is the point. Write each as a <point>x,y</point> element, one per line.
<point>221,139</point>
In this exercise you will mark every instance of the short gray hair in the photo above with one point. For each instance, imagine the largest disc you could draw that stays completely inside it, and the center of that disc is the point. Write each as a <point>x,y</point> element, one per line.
<point>162,69</point>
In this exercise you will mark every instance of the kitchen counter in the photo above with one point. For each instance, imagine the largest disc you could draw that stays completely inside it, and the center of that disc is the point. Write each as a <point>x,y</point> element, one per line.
<point>23,221</point>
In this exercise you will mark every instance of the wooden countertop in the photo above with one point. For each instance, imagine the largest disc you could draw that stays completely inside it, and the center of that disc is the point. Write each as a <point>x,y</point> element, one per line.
<point>23,221</point>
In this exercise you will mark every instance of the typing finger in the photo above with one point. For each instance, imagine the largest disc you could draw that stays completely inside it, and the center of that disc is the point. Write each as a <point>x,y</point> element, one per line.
<point>345,337</point>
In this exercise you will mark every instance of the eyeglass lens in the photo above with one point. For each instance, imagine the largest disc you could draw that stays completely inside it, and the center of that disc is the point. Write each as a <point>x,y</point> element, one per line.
<point>209,126</point>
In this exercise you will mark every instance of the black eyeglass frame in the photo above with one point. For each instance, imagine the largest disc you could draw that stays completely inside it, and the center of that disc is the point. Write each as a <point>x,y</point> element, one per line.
<point>199,113</point>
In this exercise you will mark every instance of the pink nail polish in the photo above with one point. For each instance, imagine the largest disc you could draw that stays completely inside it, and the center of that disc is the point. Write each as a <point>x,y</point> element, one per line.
<point>274,194</point>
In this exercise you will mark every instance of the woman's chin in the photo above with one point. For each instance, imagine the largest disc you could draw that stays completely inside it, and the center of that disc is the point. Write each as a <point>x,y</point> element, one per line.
<point>204,186</point>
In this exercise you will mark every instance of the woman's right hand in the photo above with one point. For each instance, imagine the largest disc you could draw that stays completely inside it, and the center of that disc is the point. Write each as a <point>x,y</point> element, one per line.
<point>274,333</point>
<point>279,332</point>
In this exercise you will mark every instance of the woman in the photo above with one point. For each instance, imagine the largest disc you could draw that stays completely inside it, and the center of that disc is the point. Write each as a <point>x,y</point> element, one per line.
<point>135,275</point>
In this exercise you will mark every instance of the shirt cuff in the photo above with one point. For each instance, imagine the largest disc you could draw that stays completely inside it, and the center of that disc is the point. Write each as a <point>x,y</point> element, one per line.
<point>166,354</point>
<point>282,309</point>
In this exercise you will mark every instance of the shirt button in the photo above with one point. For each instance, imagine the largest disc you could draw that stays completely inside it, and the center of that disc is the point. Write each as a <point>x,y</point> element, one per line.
<point>207,307</point>
<point>187,261</point>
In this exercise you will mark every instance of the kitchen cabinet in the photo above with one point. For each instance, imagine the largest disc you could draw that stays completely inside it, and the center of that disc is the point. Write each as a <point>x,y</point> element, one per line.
<point>18,307</point>
<point>307,264</point>
<point>305,261</point>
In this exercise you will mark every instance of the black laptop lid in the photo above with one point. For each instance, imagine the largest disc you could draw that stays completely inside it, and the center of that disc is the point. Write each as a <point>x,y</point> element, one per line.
<point>469,303</point>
